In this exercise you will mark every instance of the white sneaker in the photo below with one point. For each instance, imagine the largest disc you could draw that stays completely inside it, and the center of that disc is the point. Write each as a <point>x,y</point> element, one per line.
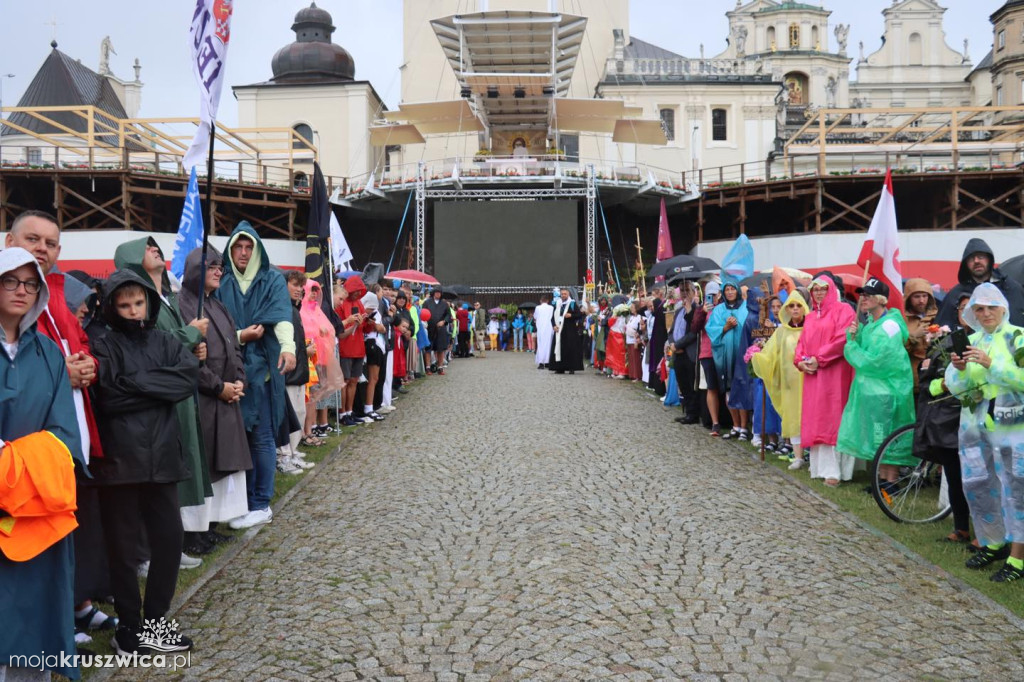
<point>796,464</point>
<point>386,409</point>
<point>301,463</point>
<point>188,562</point>
<point>82,638</point>
<point>286,466</point>
<point>756,441</point>
<point>253,518</point>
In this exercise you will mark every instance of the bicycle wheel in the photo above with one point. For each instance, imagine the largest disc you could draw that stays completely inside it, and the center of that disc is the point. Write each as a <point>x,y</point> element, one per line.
<point>914,496</point>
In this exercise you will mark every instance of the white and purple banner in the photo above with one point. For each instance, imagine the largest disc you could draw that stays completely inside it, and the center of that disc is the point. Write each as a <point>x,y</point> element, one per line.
<point>208,39</point>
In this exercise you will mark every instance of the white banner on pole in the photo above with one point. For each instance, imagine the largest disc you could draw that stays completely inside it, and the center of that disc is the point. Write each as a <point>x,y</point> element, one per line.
<point>209,35</point>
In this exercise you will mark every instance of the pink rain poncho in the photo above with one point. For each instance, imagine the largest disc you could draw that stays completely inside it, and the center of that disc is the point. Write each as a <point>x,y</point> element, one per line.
<point>827,390</point>
<point>319,330</point>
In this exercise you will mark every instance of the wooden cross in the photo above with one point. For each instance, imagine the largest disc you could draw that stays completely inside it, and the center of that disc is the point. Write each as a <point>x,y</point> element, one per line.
<point>640,273</point>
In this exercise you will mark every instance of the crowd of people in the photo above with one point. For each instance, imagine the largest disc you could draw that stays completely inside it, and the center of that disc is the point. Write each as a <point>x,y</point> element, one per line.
<point>832,372</point>
<point>140,412</point>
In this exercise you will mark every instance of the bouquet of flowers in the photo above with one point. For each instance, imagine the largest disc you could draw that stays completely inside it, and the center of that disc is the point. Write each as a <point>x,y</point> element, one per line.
<point>748,357</point>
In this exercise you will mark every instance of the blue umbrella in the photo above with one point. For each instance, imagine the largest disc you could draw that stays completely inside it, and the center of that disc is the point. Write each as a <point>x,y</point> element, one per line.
<point>345,274</point>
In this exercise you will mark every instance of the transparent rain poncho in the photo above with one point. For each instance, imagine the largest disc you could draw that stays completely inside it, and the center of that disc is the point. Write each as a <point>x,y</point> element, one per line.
<point>991,434</point>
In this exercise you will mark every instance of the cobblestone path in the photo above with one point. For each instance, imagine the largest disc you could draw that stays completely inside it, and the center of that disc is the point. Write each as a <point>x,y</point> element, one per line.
<point>507,523</point>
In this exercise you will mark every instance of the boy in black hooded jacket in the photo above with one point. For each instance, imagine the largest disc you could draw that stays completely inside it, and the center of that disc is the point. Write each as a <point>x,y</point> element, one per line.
<point>144,372</point>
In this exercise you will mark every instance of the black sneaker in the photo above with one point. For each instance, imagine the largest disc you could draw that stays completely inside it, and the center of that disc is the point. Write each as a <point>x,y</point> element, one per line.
<point>126,641</point>
<point>1007,574</point>
<point>181,644</point>
<point>215,538</point>
<point>375,417</point>
<point>716,431</point>
<point>986,555</point>
<point>195,544</point>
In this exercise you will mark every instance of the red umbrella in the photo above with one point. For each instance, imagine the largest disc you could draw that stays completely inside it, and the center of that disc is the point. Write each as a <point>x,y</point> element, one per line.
<point>413,276</point>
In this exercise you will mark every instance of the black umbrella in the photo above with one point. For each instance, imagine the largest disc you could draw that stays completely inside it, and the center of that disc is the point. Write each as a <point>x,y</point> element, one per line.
<point>757,280</point>
<point>1013,268</point>
<point>453,292</point>
<point>529,305</point>
<point>619,299</point>
<point>690,267</point>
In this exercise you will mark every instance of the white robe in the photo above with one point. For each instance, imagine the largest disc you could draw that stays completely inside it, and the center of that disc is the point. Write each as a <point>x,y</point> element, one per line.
<point>545,332</point>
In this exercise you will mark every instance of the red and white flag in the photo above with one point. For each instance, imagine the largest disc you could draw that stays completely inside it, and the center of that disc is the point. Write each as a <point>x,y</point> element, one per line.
<point>208,39</point>
<point>880,254</point>
<point>664,238</point>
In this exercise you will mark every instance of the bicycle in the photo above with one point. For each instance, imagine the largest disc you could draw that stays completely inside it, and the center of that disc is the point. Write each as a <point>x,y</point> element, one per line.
<point>914,496</point>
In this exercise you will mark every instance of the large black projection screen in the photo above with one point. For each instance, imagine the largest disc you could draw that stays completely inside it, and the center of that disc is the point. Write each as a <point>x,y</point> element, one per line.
<point>515,242</point>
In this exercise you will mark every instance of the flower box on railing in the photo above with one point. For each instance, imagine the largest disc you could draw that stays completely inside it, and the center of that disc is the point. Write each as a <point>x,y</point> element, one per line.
<point>752,180</point>
<point>629,178</point>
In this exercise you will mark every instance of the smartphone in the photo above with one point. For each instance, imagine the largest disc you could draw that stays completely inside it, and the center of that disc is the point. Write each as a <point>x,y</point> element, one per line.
<point>959,341</point>
<point>709,299</point>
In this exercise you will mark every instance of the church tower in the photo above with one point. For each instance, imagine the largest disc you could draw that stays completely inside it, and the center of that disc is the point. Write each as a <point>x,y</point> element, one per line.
<point>314,91</point>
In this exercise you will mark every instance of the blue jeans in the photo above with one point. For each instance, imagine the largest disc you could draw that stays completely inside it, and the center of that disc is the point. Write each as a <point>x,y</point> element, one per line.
<point>260,479</point>
<point>519,338</point>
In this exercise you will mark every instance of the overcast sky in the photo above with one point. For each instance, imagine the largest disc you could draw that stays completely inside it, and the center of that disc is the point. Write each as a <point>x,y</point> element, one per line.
<point>156,33</point>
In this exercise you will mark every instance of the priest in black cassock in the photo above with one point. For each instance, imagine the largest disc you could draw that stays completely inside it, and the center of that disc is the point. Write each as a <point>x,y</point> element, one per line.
<point>567,353</point>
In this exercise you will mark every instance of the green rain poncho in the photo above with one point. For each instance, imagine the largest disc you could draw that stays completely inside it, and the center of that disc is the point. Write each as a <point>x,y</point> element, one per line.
<point>882,394</point>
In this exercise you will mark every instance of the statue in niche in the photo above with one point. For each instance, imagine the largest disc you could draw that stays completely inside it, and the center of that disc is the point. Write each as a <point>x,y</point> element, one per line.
<point>830,93</point>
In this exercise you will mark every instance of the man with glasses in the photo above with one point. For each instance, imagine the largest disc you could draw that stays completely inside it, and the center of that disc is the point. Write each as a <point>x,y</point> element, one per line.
<point>978,267</point>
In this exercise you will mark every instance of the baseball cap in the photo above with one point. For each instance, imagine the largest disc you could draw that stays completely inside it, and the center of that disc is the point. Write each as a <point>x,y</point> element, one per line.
<point>874,287</point>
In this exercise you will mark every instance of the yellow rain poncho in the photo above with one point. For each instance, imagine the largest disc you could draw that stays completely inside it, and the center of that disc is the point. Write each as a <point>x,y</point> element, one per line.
<point>774,365</point>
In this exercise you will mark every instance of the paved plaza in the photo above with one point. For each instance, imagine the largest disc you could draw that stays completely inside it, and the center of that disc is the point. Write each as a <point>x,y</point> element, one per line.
<point>507,523</point>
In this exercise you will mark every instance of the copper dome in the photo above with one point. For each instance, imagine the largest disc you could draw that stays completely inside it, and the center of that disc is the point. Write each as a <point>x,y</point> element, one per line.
<point>312,57</point>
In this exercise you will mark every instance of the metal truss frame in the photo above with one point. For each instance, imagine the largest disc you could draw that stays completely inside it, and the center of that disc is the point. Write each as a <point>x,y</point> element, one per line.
<point>589,193</point>
<point>540,288</point>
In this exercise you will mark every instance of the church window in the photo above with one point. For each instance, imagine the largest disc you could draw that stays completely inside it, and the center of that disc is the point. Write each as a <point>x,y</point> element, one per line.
<point>794,36</point>
<point>719,127</point>
<point>999,96</point>
<point>668,123</point>
<point>305,132</point>
<point>1002,39</point>
<point>35,155</point>
<point>915,55</point>
<point>815,40</point>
